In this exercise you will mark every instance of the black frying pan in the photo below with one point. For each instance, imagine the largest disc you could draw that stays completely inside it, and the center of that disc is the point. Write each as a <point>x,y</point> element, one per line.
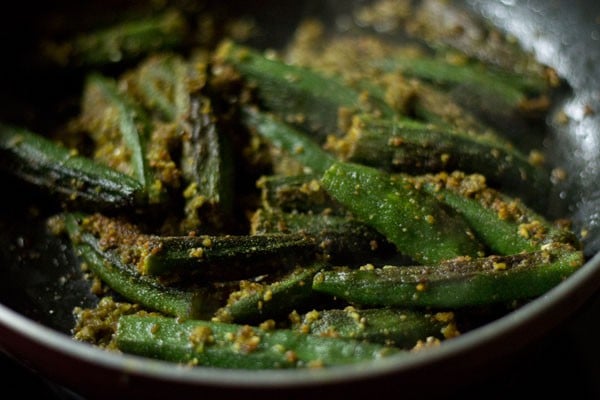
<point>40,282</point>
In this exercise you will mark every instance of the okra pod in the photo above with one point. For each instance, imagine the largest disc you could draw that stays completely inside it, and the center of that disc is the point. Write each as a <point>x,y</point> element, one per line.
<point>162,84</point>
<point>503,223</point>
<point>208,169</point>
<point>113,120</point>
<point>226,257</point>
<point>73,179</point>
<point>403,145</point>
<point>415,222</point>
<point>110,268</point>
<point>342,239</point>
<point>452,284</point>
<point>389,326</point>
<point>297,193</point>
<point>284,136</point>
<point>224,345</point>
<point>123,41</point>
<point>302,95</point>
<point>255,302</point>
<point>444,25</point>
<point>212,257</point>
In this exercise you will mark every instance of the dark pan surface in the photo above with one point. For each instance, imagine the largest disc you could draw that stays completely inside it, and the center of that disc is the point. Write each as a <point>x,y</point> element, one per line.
<point>40,282</point>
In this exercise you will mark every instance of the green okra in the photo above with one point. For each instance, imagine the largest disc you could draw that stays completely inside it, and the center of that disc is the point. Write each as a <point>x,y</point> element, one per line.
<point>228,257</point>
<point>225,257</point>
<point>109,115</point>
<point>503,223</point>
<point>342,239</point>
<point>403,145</point>
<point>390,326</point>
<point>353,57</point>
<point>436,22</point>
<point>311,99</point>
<point>286,137</point>
<point>417,223</point>
<point>457,283</point>
<point>123,41</point>
<point>495,97</point>
<point>256,302</point>
<point>162,83</point>
<point>213,257</point>
<point>110,268</point>
<point>207,165</point>
<point>74,179</point>
<point>510,88</point>
<point>224,345</point>
<point>296,193</point>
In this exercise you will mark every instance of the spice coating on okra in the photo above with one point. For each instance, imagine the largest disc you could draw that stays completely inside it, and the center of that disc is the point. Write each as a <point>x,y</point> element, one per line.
<point>337,199</point>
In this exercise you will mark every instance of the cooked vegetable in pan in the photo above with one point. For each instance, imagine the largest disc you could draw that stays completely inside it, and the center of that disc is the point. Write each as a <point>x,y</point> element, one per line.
<point>348,196</point>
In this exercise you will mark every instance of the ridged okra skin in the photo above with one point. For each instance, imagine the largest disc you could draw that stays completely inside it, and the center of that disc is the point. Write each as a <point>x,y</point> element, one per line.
<point>505,224</point>
<point>75,180</point>
<point>151,294</point>
<point>225,257</point>
<point>284,136</point>
<point>256,302</point>
<point>113,119</point>
<point>223,345</point>
<point>401,328</point>
<point>418,224</point>
<point>208,169</point>
<point>342,239</point>
<point>308,97</point>
<point>124,41</point>
<point>403,145</point>
<point>458,283</point>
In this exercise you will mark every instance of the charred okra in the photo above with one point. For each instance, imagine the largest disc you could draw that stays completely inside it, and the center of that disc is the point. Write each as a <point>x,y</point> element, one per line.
<point>112,269</point>
<point>208,171</point>
<point>453,284</point>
